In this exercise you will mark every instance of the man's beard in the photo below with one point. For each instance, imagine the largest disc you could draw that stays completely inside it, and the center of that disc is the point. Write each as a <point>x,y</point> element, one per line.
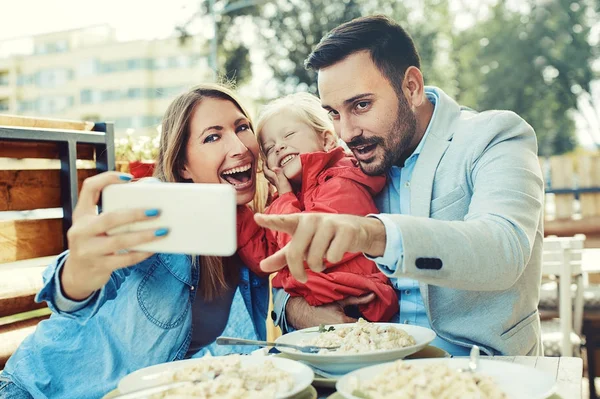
<point>398,141</point>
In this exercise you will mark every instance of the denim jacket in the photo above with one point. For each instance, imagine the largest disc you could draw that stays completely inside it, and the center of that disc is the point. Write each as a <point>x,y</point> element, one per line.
<point>84,354</point>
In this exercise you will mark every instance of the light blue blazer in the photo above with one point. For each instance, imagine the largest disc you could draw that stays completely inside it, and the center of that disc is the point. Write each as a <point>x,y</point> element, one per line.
<point>474,234</point>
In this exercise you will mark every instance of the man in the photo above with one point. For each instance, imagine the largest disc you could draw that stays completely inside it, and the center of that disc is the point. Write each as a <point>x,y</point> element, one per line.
<point>460,230</point>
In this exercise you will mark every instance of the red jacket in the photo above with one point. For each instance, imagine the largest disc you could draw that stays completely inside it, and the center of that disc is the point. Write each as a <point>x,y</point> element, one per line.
<point>331,183</point>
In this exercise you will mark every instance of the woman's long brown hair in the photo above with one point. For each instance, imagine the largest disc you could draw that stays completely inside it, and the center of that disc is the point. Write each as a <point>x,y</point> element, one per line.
<point>217,274</point>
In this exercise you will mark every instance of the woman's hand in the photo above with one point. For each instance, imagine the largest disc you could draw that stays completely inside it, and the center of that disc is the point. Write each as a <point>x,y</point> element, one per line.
<point>93,254</point>
<point>278,179</point>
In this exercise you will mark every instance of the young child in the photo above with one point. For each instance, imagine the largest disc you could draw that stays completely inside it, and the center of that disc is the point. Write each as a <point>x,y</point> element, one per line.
<point>313,174</point>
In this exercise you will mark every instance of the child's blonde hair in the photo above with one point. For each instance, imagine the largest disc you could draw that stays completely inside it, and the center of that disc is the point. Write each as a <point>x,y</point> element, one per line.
<point>305,106</point>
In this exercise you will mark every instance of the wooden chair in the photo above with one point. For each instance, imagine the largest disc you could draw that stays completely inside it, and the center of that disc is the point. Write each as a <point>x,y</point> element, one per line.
<point>43,163</point>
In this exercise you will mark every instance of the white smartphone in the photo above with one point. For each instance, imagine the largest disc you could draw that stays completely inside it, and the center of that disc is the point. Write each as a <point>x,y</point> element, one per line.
<point>201,218</point>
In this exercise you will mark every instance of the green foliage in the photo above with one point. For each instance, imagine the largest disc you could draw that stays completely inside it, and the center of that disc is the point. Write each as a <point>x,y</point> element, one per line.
<point>233,63</point>
<point>535,61</point>
<point>532,63</point>
<point>292,28</point>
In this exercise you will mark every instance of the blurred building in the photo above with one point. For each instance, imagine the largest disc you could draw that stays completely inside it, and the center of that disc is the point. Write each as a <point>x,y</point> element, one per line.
<point>87,74</point>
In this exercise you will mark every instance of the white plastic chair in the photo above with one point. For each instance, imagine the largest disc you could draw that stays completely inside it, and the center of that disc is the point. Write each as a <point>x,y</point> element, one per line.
<point>562,258</point>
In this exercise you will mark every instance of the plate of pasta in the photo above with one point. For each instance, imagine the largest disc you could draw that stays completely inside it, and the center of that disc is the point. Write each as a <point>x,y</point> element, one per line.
<point>360,344</point>
<point>223,377</point>
<point>443,379</point>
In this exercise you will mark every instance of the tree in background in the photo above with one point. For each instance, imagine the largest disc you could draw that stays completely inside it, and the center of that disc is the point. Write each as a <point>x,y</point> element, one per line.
<point>233,54</point>
<point>535,62</point>
<point>292,28</point>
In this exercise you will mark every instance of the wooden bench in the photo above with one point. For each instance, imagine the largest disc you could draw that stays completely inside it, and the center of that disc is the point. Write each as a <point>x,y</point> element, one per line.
<point>43,163</point>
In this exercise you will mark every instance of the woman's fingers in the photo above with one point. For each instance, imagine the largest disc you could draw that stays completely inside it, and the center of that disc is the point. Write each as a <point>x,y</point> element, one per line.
<point>114,244</point>
<point>101,224</point>
<point>92,188</point>
<point>119,242</point>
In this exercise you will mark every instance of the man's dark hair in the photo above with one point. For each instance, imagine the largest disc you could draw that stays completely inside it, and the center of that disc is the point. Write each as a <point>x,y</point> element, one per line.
<point>391,47</point>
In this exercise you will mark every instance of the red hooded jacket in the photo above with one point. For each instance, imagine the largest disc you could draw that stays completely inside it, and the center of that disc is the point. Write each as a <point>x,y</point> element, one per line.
<point>332,182</point>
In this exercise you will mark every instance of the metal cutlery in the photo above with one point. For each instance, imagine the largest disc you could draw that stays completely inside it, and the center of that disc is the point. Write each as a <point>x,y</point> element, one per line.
<point>301,348</point>
<point>473,361</point>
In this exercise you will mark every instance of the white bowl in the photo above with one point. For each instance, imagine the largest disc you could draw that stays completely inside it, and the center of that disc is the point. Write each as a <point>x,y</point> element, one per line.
<point>515,380</point>
<point>151,376</point>
<point>344,363</point>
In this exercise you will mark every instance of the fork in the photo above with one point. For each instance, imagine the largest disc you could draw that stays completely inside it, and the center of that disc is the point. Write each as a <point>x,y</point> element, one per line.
<point>304,349</point>
<point>145,392</point>
<point>473,361</point>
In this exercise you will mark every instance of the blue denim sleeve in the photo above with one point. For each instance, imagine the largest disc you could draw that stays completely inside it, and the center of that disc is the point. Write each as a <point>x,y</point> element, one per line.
<point>81,311</point>
<point>394,250</point>
<point>280,300</point>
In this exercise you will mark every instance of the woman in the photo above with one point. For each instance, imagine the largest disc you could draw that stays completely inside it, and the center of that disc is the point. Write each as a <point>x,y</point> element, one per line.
<point>114,311</point>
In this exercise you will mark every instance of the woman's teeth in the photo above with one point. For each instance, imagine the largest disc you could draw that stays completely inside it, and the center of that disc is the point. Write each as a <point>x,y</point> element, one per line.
<point>239,177</point>
<point>287,159</point>
<point>237,170</point>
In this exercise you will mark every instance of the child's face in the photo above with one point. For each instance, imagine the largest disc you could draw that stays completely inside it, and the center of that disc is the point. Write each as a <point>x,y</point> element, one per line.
<point>283,137</point>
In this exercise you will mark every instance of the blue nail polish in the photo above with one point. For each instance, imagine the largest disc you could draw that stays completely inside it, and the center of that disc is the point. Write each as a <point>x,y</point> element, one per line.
<point>151,212</point>
<point>125,177</point>
<point>161,232</point>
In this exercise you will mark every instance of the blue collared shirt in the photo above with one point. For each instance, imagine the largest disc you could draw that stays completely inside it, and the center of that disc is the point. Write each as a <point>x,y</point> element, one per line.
<point>412,308</point>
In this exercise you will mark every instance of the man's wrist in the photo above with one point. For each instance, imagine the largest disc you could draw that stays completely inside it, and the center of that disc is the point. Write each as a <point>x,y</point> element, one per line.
<point>291,309</point>
<point>374,237</point>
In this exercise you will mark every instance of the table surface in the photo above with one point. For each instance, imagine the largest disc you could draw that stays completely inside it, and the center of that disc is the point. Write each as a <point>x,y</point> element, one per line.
<point>568,372</point>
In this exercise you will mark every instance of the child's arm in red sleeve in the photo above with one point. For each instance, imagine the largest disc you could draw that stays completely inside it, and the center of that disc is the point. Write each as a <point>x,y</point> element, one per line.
<point>254,242</point>
<point>337,196</point>
<point>283,205</point>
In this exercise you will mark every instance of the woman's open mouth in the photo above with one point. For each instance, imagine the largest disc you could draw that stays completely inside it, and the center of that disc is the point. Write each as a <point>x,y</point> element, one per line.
<point>287,159</point>
<point>240,177</point>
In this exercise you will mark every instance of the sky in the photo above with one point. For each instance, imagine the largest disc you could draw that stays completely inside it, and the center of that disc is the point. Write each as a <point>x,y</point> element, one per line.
<point>132,20</point>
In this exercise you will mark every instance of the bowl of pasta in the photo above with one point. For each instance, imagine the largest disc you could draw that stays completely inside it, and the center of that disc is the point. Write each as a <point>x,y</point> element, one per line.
<point>221,377</point>
<point>359,344</point>
<point>445,378</point>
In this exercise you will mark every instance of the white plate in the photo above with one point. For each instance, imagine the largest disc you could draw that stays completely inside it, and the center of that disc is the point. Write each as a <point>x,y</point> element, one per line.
<point>516,380</point>
<point>151,376</point>
<point>344,363</point>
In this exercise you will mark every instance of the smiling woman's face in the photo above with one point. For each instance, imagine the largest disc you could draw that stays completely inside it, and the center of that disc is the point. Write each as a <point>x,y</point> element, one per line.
<point>221,148</point>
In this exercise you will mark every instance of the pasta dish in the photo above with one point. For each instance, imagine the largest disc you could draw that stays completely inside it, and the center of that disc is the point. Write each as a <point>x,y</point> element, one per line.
<point>361,337</point>
<point>432,381</point>
<point>226,378</point>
